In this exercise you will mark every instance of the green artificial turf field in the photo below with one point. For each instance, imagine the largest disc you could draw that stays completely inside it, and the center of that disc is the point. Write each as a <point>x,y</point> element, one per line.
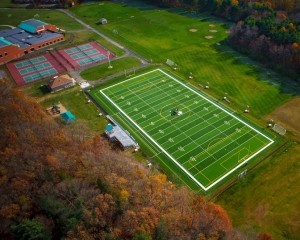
<point>198,138</point>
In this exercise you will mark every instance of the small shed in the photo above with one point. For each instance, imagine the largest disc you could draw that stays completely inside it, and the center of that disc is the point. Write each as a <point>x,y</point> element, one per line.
<point>68,117</point>
<point>60,82</point>
<point>103,21</point>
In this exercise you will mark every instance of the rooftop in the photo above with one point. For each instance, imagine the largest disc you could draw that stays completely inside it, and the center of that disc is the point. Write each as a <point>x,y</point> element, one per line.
<point>24,39</point>
<point>4,42</point>
<point>31,25</point>
<point>124,138</point>
<point>61,80</point>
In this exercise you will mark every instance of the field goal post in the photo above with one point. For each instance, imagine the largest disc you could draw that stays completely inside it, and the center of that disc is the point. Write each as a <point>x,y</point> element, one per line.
<point>280,130</point>
<point>129,74</point>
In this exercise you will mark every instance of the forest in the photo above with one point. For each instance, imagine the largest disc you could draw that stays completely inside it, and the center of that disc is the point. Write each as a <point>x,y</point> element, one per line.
<point>55,183</point>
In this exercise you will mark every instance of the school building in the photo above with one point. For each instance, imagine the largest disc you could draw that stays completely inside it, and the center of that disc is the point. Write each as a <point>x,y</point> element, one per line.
<point>28,37</point>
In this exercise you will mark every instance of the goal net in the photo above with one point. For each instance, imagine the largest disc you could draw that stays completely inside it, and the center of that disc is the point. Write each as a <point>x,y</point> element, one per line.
<point>277,128</point>
<point>170,62</point>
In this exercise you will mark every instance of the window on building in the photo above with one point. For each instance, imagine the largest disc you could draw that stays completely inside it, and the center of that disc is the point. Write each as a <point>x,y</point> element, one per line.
<point>0,55</point>
<point>5,54</point>
<point>25,52</point>
<point>47,43</point>
<point>31,49</point>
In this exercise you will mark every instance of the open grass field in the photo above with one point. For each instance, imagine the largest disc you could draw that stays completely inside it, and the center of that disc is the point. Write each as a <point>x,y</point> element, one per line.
<point>101,71</point>
<point>15,16</point>
<point>159,34</point>
<point>268,199</point>
<point>7,3</point>
<point>203,141</point>
<point>75,101</point>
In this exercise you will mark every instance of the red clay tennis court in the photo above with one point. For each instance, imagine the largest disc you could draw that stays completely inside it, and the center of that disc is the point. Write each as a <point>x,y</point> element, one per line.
<point>34,69</point>
<point>57,62</point>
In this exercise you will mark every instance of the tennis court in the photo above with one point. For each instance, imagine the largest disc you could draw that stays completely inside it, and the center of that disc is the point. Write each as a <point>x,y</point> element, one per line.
<point>86,54</point>
<point>35,69</point>
<point>189,133</point>
<point>30,62</point>
<point>40,75</point>
<point>56,62</point>
<point>78,48</point>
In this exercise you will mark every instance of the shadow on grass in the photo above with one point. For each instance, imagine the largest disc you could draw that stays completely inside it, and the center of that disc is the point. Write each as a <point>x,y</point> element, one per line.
<point>44,89</point>
<point>257,70</point>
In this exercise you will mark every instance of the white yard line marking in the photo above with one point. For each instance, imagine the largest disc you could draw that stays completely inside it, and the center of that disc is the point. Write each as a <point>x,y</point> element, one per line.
<point>164,151</point>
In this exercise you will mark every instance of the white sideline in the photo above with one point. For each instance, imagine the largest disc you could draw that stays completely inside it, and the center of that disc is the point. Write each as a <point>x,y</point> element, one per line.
<point>163,150</point>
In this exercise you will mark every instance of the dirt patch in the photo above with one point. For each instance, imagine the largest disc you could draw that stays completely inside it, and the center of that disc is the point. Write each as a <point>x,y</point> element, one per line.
<point>212,25</point>
<point>209,37</point>
<point>228,31</point>
<point>55,111</point>
<point>288,116</point>
<point>193,30</point>
<point>213,30</point>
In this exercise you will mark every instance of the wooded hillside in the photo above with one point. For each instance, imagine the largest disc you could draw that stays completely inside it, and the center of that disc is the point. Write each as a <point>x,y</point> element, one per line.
<point>55,185</point>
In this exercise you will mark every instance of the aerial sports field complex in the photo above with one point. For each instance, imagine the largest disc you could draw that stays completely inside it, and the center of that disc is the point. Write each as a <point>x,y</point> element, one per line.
<point>190,134</point>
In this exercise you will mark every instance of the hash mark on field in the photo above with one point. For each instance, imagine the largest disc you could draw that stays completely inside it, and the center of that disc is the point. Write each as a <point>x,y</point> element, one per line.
<point>221,176</point>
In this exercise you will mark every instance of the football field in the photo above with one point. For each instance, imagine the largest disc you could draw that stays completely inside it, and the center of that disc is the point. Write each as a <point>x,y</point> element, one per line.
<point>189,133</point>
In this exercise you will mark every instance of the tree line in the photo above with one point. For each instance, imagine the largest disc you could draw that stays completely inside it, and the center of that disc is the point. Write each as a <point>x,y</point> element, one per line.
<point>56,184</point>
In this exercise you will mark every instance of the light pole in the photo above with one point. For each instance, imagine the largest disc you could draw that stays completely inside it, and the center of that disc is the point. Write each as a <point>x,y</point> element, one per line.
<point>109,65</point>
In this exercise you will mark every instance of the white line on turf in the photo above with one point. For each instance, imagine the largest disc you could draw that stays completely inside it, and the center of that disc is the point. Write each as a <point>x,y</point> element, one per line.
<point>192,177</point>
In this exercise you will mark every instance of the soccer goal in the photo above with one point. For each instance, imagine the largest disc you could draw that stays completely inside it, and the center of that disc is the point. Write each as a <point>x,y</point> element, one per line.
<point>280,130</point>
<point>170,63</point>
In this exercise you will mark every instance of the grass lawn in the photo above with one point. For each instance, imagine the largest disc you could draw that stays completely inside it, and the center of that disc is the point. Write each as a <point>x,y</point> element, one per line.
<point>102,70</point>
<point>268,199</point>
<point>7,3</point>
<point>159,34</point>
<point>75,101</point>
<point>36,90</point>
<point>15,16</point>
